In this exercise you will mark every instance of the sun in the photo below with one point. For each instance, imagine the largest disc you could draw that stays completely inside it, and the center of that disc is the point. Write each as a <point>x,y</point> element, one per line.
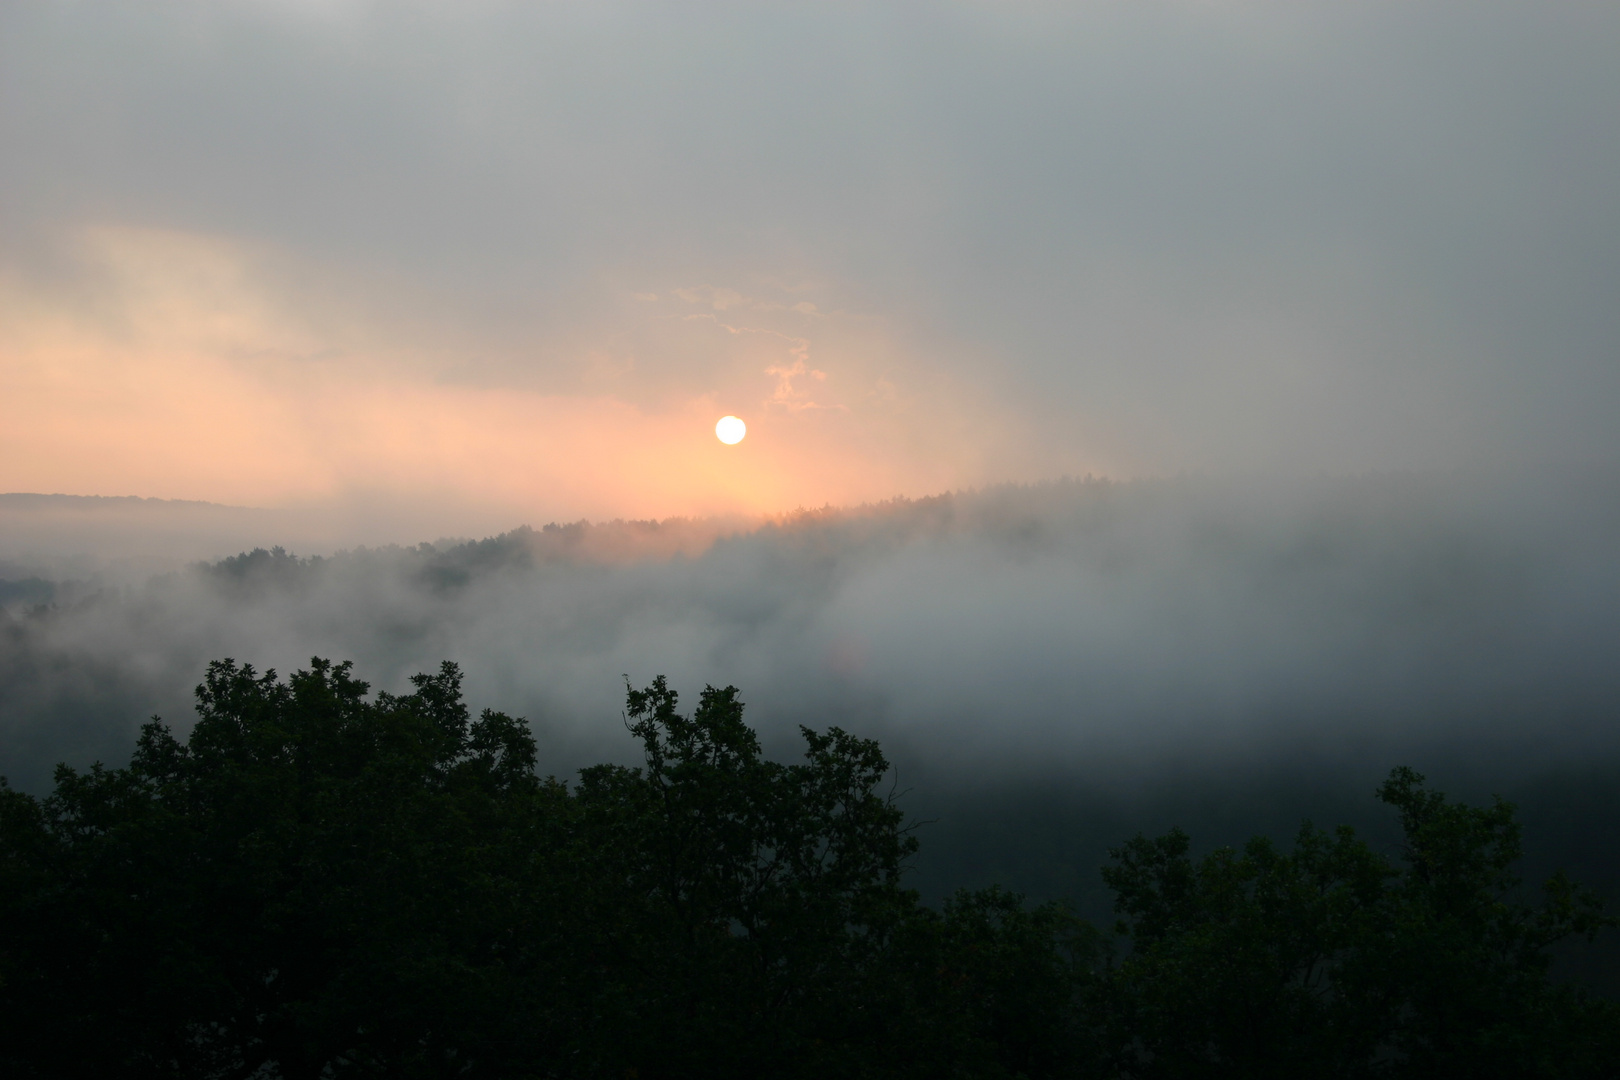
<point>730,430</point>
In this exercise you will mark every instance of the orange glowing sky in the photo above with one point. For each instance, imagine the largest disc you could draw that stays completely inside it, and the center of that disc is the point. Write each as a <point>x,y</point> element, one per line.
<point>522,257</point>
<point>182,374</point>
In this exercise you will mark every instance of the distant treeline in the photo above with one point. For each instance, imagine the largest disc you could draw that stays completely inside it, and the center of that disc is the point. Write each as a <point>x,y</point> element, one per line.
<point>322,883</point>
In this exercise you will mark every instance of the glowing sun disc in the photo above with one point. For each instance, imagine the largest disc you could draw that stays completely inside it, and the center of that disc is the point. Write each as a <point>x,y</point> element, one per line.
<point>730,430</point>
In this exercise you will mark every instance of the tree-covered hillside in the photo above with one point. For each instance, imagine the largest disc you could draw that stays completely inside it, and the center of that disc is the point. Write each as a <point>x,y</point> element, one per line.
<point>323,882</point>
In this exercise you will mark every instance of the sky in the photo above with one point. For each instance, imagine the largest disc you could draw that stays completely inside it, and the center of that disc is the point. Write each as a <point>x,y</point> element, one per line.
<point>510,262</point>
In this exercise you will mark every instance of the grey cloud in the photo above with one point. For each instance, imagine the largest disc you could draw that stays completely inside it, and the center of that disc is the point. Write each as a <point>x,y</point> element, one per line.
<point>1171,236</point>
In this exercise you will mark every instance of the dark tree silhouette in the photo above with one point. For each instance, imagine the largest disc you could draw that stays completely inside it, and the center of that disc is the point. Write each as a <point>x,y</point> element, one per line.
<point>318,882</point>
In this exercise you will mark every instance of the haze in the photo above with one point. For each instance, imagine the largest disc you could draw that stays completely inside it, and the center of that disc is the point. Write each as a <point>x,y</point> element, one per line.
<point>1320,296</point>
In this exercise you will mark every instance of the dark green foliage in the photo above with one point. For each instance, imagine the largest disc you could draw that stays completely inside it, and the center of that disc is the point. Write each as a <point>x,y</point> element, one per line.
<point>1248,963</point>
<point>1331,960</point>
<point>736,902</point>
<point>989,988</point>
<point>1474,996</point>
<point>294,884</point>
<point>319,882</point>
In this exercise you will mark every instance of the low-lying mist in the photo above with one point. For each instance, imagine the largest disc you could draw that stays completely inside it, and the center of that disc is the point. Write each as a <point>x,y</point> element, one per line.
<point>1124,654</point>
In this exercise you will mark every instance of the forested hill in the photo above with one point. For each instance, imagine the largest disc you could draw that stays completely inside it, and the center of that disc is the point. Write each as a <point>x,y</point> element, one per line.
<point>319,882</point>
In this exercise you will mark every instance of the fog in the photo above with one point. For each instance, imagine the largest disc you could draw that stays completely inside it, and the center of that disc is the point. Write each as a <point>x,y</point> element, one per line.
<point>1109,631</point>
<point>1051,668</point>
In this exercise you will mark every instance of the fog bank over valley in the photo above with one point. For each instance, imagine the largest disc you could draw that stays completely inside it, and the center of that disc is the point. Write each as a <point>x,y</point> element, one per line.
<point>1111,630</point>
<point>1052,668</point>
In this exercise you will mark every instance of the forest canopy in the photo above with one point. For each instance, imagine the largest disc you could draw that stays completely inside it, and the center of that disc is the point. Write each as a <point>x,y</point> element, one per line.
<point>318,881</point>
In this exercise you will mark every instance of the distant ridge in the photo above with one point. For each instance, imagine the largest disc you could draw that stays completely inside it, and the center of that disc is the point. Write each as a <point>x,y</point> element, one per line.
<point>27,500</point>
